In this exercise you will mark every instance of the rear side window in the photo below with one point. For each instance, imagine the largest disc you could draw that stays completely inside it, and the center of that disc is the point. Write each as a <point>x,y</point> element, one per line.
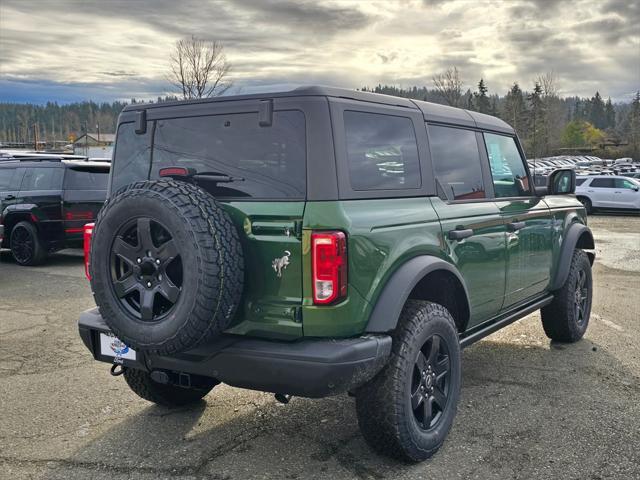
<point>456,163</point>
<point>6,179</point>
<point>266,162</point>
<point>602,183</point>
<point>580,181</point>
<point>382,151</point>
<point>132,156</point>
<point>507,167</point>
<point>86,179</point>
<point>42,179</point>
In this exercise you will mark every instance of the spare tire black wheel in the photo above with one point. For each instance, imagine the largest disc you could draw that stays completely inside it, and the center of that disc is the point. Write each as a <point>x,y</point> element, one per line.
<point>167,266</point>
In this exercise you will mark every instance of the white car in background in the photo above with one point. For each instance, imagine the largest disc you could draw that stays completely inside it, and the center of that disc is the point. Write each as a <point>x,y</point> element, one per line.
<point>608,192</point>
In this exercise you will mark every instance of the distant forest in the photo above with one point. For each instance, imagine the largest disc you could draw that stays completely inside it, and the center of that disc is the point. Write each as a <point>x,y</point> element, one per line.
<point>546,123</point>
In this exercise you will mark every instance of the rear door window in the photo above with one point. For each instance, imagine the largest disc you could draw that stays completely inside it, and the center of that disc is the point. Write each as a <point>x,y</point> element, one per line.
<point>382,152</point>
<point>262,162</point>
<point>580,181</point>
<point>42,179</point>
<point>603,183</point>
<point>456,163</point>
<point>509,174</point>
<point>86,178</point>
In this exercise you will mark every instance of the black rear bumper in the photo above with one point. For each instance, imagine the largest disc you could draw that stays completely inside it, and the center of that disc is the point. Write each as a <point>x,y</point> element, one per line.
<point>308,368</point>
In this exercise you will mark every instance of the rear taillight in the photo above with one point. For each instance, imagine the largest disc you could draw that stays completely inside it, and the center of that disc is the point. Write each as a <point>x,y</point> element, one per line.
<point>329,266</point>
<point>88,231</point>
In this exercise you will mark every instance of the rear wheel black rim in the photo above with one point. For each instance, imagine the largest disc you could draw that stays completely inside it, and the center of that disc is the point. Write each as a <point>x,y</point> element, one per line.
<point>581,297</point>
<point>22,244</point>
<point>430,382</point>
<point>146,269</point>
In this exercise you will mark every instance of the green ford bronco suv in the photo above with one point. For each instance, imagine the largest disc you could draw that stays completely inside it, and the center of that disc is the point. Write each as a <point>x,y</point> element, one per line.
<point>323,241</point>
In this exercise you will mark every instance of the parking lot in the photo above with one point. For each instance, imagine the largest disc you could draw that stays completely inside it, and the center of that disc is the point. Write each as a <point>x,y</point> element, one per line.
<point>529,409</point>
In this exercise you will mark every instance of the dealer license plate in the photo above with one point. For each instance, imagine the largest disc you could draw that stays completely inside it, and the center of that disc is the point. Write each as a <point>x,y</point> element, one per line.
<point>113,347</point>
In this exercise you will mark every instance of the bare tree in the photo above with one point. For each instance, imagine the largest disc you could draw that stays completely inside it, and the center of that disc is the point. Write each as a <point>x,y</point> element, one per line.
<point>449,86</point>
<point>549,84</point>
<point>199,68</point>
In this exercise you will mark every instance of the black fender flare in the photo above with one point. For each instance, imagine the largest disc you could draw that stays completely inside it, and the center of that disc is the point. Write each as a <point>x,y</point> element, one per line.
<point>580,236</point>
<point>391,301</point>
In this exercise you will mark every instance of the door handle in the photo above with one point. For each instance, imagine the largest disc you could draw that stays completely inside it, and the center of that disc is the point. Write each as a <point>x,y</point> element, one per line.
<point>460,233</point>
<point>515,226</point>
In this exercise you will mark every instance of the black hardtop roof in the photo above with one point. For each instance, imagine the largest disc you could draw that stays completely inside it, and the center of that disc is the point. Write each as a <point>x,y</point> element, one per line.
<point>432,112</point>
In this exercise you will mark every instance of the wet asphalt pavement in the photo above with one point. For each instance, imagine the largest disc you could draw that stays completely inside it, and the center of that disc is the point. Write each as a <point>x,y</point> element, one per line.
<point>529,409</point>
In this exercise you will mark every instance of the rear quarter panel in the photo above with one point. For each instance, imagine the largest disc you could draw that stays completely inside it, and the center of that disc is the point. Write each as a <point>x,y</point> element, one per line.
<point>382,235</point>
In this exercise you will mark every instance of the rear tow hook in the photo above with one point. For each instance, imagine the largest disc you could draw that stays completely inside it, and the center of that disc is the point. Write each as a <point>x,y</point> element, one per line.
<point>115,371</point>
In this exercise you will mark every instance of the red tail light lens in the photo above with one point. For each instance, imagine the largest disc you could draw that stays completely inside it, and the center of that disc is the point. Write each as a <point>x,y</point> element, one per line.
<point>329,267</point>
<point>88,231</point>
<point>78,216</point>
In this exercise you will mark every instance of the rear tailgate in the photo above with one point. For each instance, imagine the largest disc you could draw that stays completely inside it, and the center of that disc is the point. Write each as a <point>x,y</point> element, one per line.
<point>85,190</point>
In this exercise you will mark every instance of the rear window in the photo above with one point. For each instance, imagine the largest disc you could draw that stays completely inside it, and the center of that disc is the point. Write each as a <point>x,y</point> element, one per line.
<point>382,151</point>
<point>86,179</point>
<point>131,157</point>
<point>266,162</point>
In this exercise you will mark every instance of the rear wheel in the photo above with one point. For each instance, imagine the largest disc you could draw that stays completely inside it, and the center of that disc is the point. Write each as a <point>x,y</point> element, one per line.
<point>166,395</point>
<point>407,410</point>
<point>567,317</point>
<point>26,246</point>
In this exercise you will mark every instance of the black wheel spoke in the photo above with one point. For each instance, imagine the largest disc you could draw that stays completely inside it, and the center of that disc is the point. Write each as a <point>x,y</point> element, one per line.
<point>416,399</point>
<point>125,251</point>
<point>125,286</point>
<point>168,290</point>
<point>427,410</point>
<point>144,234</point>
<point>167,252</point>
<point>421,362</point>
<point>435,348</point>
<point>439,397</point>
<point>440,368</point>
<point>147,298</point>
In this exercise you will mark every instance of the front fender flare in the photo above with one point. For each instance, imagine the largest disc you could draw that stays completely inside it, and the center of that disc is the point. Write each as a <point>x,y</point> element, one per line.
<point>574,235</point>
<point>391,301</point>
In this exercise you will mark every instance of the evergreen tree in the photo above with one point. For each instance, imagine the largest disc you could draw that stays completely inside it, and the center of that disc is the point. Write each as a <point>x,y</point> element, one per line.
<point>481,99</point>
<point>515,110</point>
<point>537,131</point>
<point>609,114</point>
<point>597,115</point>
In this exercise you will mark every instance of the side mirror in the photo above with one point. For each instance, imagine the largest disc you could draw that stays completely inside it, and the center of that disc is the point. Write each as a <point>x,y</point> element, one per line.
<point>562,182</point>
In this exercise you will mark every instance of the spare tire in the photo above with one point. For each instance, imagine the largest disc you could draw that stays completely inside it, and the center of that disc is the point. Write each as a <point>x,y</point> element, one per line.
<point>166,266</point>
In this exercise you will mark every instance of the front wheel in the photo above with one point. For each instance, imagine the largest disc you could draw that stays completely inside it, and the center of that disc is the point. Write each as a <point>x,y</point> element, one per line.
<point>26,246</point>
<point>566,318</point>
<point>586,203</point>
<point>407,410</point>
<point>166,395</point>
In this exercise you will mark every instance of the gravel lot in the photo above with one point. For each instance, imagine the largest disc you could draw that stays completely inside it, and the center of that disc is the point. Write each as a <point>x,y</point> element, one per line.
<point>529,409</point>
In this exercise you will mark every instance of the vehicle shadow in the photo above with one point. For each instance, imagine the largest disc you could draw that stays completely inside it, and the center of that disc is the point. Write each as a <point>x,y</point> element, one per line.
<point>526,411</point>
<point>61,258</point>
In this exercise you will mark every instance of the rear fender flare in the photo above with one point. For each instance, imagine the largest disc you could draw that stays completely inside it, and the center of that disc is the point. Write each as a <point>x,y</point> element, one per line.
<point>399,286</point>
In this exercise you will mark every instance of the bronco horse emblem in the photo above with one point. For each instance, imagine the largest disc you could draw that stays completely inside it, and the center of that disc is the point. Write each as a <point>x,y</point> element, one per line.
<point>280,264</point>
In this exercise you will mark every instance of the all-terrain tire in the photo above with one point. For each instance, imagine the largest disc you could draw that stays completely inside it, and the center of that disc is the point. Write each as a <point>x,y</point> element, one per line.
<point>211,266</point>
<point>562,319</point>
<point>26,246</point>
<point>384,408</point>
<point>166,395</point>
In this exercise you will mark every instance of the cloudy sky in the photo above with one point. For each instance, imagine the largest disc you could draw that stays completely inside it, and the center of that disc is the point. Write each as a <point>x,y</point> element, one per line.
<point>67,50</point>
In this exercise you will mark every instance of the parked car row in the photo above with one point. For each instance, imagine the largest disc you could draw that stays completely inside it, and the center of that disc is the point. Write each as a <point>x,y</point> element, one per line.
<point>45,201</point>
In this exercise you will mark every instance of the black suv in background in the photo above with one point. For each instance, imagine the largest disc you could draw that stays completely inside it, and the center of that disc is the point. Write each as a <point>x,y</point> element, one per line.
<point>45,202</point>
